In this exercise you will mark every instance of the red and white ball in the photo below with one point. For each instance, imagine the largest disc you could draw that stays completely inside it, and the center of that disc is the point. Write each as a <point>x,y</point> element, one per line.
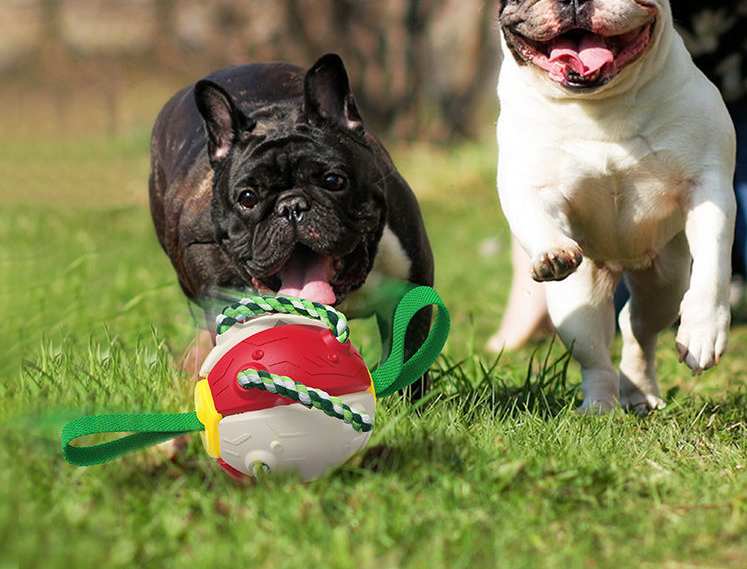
<point>248,430</point>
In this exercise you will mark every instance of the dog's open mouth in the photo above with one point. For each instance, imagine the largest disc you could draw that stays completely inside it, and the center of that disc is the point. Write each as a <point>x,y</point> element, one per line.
<point>314,276</point>
<point>580,59</point>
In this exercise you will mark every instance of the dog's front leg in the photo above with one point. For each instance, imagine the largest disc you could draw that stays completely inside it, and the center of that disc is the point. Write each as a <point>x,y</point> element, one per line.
<point>545,237</point>
<point>656,293</point>
<point>704,312</point>
<point>582,311</point>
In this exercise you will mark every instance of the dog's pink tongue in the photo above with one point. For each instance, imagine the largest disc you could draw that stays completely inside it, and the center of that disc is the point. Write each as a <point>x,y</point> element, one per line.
<point>590,55</point>
<point>307,277</point>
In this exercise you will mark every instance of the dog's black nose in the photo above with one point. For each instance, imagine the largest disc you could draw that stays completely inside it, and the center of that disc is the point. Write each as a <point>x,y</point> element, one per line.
<point>292,208</point>
<point>575,4</point>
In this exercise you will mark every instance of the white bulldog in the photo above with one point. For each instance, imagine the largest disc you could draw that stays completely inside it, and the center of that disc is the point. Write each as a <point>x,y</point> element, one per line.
<point>616,158</point>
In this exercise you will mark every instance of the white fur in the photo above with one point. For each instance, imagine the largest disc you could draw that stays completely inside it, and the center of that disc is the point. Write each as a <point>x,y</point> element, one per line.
<point>637,177</point>
<point>391,262</point>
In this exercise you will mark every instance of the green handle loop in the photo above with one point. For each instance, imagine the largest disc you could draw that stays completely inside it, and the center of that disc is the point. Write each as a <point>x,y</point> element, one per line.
<point>147,430</point>
<point>150,429</point>
<point>396,373</point>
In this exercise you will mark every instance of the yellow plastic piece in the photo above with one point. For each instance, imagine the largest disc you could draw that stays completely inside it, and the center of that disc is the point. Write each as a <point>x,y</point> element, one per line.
<point>371,389</point>
<point>208,416</point>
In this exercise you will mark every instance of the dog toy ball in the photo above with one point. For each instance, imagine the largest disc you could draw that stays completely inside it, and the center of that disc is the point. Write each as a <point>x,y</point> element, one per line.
<point>282,390</point>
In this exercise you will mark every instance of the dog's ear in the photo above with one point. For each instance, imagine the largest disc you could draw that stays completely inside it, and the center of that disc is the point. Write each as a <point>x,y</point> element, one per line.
<point>224,122</point>
<point>327,94</point>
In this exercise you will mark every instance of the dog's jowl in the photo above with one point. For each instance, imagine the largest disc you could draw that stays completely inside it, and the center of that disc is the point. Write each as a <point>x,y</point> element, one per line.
<point>616,158</point>
<point>264,178</point>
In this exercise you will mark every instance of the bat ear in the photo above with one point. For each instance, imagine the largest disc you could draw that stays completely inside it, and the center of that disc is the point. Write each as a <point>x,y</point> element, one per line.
<point>327,94</point>
<point>224,122</point>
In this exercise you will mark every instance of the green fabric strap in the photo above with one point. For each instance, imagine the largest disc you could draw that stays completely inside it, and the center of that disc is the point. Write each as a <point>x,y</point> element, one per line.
<point>396,373</point>
<point>151,429</point>
<point>147,430</point>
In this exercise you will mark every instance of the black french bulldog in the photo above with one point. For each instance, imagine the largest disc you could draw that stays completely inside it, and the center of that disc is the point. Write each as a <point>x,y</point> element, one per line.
<point>264,177</point>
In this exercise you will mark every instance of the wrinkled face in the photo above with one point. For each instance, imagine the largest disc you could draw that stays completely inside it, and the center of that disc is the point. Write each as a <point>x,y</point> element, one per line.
<point>298,197</point>
<point>580,44</point>
<point>299,211</point>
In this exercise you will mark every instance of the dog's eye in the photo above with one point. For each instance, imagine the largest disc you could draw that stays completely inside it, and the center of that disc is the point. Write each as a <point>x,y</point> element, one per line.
<point>334,182</point>
<point>248,199</point>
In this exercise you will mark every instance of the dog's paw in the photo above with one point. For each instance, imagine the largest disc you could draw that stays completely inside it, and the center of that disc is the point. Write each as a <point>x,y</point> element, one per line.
<point>594,406</point>
<point>641,404</point>
<point>702,337</point>
<point>641,396</point>
<point>601,389</point>
<point>556,264</point>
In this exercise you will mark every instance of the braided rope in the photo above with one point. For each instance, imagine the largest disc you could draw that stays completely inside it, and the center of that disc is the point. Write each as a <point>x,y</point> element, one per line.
<point>258,305</point>
<point>306,396</point>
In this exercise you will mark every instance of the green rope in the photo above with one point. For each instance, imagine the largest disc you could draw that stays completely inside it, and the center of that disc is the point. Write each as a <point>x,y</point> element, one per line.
<point>307,396</point>
<point>392,375</point>
<point>257,305</point>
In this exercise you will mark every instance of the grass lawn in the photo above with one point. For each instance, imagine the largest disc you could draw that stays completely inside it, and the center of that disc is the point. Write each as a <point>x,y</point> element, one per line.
<point>495,471</point>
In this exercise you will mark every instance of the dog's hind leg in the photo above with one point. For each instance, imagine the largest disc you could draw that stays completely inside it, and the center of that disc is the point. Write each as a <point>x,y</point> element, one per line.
<point>655,296</point>
<point>583,313</point>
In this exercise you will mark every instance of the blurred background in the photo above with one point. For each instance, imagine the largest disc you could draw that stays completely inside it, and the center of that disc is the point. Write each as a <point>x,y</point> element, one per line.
<point>81,83</point>
<point>421,69</point>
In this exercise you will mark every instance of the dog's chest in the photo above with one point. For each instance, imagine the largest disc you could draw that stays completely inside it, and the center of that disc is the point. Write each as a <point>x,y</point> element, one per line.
<point>623,201</point>
<point>391,265</point>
